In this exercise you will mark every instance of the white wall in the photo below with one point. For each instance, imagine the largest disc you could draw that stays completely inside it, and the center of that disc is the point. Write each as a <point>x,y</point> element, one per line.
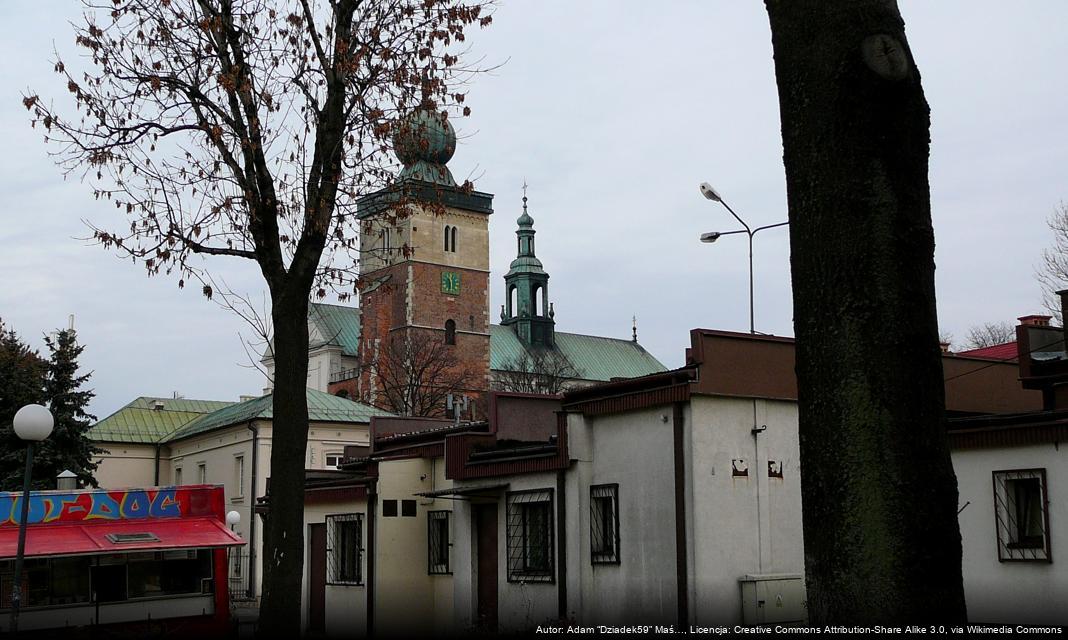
<point>1012,592</point>
<point>741,525</point>
<point>346,605</point>
<point>521,606</point>
<point>635,450</point>
<point>126,465</point>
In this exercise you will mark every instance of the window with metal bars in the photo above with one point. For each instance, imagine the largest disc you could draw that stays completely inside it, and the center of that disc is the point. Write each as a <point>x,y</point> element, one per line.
<point>344,548</point>
<point>1021,515</point>
<point>530,536</point>
<point>438,542</point>
<point>604,524</point>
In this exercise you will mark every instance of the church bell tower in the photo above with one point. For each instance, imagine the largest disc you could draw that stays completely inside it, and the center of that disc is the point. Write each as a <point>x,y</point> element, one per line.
<point>424,266</point>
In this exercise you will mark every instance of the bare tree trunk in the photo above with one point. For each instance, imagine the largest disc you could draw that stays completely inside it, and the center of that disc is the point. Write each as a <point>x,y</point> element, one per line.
<point>283,530</point>
<point>882,542</point>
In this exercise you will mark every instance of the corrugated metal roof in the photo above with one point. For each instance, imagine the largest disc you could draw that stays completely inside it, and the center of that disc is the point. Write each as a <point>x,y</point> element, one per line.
<point>141,422</point>
<point>322,407</point>
<point>1006,351</point>
<point>595,357</point>
<point>337,325</point>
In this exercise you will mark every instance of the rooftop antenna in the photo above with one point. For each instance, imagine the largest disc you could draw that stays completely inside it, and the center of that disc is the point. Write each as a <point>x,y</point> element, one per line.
<point>634,329</point>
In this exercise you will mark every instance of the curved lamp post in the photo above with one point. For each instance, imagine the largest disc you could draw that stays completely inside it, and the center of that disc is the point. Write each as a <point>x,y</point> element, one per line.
<point>32,423</point>
<point>710,237</point>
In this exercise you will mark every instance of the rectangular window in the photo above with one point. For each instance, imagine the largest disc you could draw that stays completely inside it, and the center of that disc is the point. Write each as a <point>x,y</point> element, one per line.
<point>344,548</point>
<point>333,460</point>
<point>1021,515</point>
<point>604,524</point>
<point>389,508</point>
<point>202,473</point>
<point>177,476</point>
<point>530,536</point>
<point>438,541</point>
<point>239,476</point>
<point>408,508</point>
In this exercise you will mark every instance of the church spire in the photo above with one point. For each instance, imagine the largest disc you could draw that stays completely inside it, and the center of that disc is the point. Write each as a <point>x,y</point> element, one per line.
<point>527,286</point>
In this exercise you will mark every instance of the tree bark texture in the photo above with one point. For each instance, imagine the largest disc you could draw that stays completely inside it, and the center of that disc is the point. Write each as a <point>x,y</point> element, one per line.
<point>283,531</point>
<point>882,543</point>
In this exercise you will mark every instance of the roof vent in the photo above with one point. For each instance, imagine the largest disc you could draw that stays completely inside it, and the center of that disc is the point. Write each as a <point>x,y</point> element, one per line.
<point>131,538</point>
<point>158,405</point>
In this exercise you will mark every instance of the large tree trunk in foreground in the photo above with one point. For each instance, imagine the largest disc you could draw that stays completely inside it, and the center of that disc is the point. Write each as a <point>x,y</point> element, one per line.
<point>283,531</point>
<point>879,494</point>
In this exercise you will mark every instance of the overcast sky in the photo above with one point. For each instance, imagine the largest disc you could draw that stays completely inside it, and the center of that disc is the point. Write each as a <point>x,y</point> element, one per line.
<point>613,112</point>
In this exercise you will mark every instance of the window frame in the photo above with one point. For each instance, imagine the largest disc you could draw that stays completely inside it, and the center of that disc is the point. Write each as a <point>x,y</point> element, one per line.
<point>202,473</point>
<point>333,454</point>
<point>518,505</point>
<point>611,557</point>
<point>335,564</point>
<point>239,476</point>
<point>434,543</point>
<point>1006,512</point>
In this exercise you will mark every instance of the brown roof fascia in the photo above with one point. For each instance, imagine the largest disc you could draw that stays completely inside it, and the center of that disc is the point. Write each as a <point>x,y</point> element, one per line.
<point>459,466</point>
<point>1009,436</point>
<point>579,399</point>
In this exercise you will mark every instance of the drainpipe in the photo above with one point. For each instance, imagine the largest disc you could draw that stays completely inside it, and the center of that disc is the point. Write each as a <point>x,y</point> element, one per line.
<point>372,504</point>
<point>251,593</point>
<point>155,481</point>
<point>682,590</point>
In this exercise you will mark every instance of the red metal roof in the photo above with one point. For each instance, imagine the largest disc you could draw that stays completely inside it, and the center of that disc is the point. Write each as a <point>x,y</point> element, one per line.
<point>60,539</point>
<point>1006,351</point>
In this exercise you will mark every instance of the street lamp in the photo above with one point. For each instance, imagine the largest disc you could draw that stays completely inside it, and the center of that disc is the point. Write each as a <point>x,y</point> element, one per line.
<point>710,237</point>
<point>32,423</point>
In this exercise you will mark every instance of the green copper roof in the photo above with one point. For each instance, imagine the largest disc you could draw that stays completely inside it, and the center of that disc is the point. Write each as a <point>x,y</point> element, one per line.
<point>140,422</point>
<point>335,325</point>
<point>322,407</point>
<point>596,358</point>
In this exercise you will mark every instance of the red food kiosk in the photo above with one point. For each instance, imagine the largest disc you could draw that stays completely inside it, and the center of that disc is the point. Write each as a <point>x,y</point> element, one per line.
<point>154,556</point>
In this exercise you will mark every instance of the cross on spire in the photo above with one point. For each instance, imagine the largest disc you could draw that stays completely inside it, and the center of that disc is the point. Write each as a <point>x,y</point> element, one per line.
<point>524,195</point>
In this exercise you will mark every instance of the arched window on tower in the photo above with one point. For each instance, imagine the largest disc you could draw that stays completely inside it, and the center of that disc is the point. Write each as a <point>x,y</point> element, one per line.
<point>447,228</point>
<point>513,302</point>
<point>539,306</point>
<point>450,331</point>
<point>453,238</point>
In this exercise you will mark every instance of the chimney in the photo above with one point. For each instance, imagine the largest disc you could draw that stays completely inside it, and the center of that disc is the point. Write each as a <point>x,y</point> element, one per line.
<point>945,347</point>
<point>1063,295</point>
<point>1038,321</point>
<point>157,405</point>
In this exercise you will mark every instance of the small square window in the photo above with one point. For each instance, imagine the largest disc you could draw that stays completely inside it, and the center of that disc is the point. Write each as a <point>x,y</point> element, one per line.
<point>438,542</point>
<point>344,548</point>
<point>530,536</point>
<point>408,508</point>
<point>389,508</point>
<point>333,460</point>
<point>1021,515</point>
<point>604,524</point>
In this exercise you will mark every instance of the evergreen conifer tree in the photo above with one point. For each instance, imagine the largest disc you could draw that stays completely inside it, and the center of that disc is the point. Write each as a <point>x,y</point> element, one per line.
<point>22,375</point>
<point>68,448</point>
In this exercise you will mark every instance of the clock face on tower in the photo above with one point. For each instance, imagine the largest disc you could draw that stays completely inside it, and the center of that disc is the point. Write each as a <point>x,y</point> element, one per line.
<point>450,283</point>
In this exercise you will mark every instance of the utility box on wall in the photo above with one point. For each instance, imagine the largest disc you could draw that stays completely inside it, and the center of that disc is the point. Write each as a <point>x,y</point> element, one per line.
<point>773,598</point>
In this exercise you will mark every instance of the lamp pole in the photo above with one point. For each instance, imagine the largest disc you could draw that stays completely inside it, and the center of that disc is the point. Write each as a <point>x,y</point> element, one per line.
<point>32,423</point>
<point>712,236</point>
